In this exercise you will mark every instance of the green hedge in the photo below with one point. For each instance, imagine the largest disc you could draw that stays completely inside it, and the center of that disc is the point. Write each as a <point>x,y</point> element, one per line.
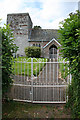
<point>33,52</point>
<point>8,48</point>
<point>70,41</point>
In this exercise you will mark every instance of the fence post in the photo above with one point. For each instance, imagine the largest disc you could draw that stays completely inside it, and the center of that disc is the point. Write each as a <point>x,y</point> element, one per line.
<point>32,78</point>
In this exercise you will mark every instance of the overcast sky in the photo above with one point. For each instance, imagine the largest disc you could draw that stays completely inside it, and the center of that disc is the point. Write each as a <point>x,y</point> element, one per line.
<point>44,13</point>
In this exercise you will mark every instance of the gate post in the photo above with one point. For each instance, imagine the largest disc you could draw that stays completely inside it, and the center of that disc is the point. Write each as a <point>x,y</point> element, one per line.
<point>32,79</point>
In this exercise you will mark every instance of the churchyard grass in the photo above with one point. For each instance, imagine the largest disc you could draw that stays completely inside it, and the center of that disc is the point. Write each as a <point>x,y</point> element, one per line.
<point>22,65</point>
<point>63,68</point>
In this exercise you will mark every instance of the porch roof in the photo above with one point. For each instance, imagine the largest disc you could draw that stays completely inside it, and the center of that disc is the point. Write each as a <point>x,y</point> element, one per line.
<point>51,42</point>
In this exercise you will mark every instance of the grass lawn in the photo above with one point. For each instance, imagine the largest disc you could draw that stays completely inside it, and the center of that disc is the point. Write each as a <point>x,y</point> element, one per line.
<point>25,68</point>
<point>63,68</point>
<point>12,109</point>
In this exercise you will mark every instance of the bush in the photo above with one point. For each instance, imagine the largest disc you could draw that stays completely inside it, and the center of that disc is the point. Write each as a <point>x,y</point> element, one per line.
<point>33,52</point>
<point>70,40</point>
<point>8,48</point>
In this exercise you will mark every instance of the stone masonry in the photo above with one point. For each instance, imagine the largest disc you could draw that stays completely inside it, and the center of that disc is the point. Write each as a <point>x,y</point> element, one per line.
<point>21,25</point>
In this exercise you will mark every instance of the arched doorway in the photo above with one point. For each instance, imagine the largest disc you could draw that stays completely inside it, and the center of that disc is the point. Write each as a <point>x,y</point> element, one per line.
<point>53,51</point>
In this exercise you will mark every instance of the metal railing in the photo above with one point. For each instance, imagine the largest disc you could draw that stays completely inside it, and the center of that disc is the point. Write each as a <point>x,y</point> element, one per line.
<point>40,81</point>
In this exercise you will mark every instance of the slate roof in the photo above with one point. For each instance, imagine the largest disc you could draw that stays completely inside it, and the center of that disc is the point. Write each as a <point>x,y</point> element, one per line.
<point>43,35</point>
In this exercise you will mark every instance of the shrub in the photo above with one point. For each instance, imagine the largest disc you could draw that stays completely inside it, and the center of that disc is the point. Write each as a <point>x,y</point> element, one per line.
<point>33,52</point>
<point>70,40</point>
<point>8,48</point>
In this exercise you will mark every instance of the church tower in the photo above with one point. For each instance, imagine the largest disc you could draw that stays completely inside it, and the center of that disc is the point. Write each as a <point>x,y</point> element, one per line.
<point>21,25</point>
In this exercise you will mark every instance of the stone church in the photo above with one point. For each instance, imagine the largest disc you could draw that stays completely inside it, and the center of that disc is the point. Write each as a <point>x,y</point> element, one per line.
<point>25,35</point>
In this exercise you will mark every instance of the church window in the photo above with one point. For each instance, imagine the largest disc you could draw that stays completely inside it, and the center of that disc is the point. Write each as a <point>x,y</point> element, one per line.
<point>33,44</point>
<point>39,45</point>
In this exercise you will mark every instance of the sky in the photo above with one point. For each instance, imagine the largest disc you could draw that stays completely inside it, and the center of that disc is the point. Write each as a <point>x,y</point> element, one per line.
<point>44,13</point>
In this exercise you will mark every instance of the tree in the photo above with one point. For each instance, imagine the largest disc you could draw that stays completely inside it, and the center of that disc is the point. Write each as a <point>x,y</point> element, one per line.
<point>70,40</point>
<point>8,48</point>
<point>37,27</point>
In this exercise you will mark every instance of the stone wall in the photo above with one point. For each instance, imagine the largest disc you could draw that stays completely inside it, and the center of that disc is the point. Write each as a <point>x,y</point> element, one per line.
<point>18,23</point>
<point>36,43</point>
<point>22,42</point>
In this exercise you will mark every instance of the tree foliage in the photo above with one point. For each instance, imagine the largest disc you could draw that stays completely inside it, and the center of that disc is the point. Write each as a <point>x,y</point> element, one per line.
<point>8,48</point>
<point>70,40</point>
<point>37,27</point>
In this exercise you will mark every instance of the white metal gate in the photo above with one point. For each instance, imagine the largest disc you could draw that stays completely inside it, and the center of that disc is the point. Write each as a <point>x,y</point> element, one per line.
<point>40,81</point>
